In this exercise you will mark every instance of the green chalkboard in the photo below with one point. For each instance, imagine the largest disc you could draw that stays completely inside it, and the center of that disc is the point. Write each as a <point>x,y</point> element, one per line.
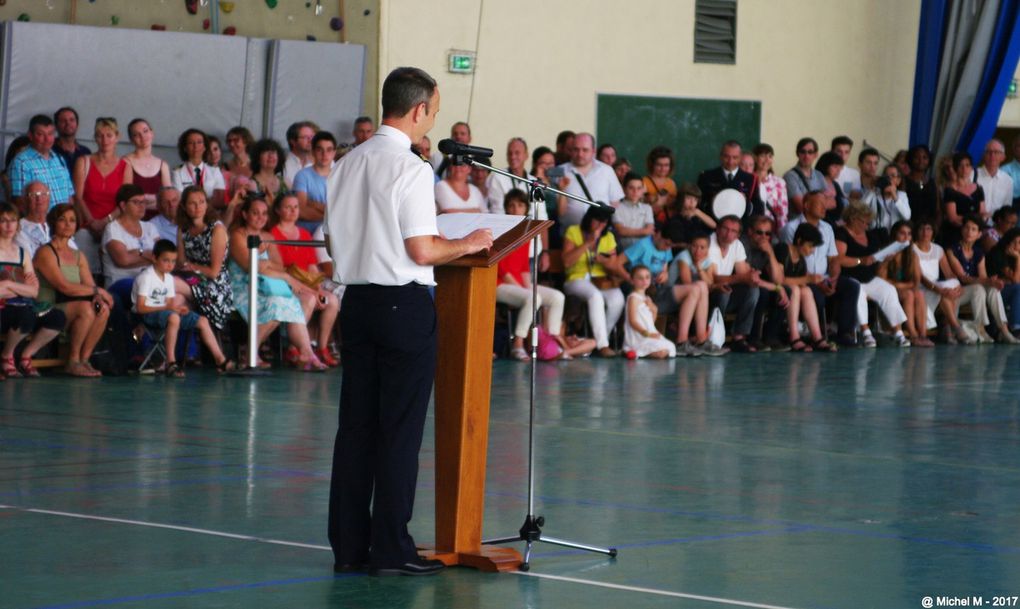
<point>693,128</point>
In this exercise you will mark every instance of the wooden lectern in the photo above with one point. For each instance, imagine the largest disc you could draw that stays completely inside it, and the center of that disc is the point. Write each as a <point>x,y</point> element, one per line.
<point>466,308</point>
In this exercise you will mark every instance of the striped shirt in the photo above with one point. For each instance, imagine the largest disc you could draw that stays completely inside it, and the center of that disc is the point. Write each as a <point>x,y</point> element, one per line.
<point>30,166</point>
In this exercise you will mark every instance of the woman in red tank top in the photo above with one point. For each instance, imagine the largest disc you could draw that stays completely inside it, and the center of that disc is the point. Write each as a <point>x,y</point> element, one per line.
<point>98,176</point>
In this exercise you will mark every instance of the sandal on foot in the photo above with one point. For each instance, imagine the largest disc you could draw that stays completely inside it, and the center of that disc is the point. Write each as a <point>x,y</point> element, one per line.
<point>821,345</point>
<point>8,367</point>
<point>174,370</point>
<point>78,369</point>
<point>227,365</point>
<point>27,369</point>
<point>799,346</point>
<point>312,365</point>
<point>742,346</point>
<point>326,357</point>
<point>519,354</point>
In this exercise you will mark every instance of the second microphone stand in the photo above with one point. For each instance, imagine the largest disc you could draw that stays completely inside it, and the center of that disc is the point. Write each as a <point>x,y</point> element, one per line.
<point>531,531</point>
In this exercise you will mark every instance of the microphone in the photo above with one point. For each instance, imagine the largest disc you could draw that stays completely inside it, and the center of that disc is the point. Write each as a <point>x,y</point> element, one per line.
<point>451,147</point>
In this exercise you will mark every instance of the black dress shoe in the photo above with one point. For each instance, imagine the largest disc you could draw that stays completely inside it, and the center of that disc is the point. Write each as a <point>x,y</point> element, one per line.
<point>418,566</point>
<point>347,567</point>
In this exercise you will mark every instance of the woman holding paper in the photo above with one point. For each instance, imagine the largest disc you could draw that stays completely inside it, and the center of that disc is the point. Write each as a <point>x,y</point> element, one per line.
<point>981,292</point>
<point>856,250</point>
<point>903,271</point>
<point>938,294</point>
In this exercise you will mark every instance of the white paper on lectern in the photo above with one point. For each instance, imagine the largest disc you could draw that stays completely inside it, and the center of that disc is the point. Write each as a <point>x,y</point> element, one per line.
<point>890,250</point>
<point>457,226</point>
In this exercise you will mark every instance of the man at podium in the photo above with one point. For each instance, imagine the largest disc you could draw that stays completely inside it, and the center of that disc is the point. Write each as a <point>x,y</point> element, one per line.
<point>381,231</point>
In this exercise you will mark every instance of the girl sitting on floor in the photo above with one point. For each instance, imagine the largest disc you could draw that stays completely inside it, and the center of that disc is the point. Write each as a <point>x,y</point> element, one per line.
<point>639,334</point>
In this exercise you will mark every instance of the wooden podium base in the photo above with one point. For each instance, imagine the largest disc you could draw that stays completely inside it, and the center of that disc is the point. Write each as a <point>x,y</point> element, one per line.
<point>489,558</point>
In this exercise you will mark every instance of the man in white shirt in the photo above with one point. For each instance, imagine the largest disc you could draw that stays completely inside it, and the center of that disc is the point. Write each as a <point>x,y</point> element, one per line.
<point>382,235</point>
<point>849,179</point>
<point>1012,169</point>
<point>364,128</point>
<point>998,186</point>
<point>33,231</point>
<point>736,283</point>
<point>587,178</point>
<point>299,140</point>
<point>168,199</point>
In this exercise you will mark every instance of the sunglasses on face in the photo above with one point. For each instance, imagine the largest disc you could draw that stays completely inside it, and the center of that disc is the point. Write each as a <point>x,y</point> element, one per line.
<point>763,233</point>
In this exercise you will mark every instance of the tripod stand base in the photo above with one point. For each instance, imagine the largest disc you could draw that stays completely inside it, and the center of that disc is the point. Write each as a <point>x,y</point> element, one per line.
<point>531,532</point>
<point>491,560</point>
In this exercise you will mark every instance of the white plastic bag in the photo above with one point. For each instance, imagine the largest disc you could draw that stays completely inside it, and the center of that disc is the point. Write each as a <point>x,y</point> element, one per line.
<point>716,329</point>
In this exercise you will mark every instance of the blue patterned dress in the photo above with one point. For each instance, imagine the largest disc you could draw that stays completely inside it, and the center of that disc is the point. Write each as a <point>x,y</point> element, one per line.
<point>286,309</point>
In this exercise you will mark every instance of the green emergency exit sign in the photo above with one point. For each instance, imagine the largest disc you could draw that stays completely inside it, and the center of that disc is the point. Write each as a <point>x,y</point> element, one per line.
<point>462,62</point>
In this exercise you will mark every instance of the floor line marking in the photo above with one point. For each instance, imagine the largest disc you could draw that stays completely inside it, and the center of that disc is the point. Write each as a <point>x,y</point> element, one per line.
<point>695,597</point>
<point>321,547</point>
<point>173,527</point>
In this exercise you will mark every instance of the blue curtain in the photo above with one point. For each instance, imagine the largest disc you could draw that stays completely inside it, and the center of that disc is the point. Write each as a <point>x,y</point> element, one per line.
<point>1000,67</point>
<point>929,57</point>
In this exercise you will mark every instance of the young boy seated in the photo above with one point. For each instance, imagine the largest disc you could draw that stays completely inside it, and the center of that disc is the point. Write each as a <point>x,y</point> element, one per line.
<point>153,297</point>
<point>634,219</point>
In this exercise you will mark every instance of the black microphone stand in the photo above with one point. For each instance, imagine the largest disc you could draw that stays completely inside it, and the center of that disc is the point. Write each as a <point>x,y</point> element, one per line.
<point>531,531</point>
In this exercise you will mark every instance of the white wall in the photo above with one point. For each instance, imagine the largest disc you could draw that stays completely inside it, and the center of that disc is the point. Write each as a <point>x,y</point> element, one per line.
<point>820,67</point>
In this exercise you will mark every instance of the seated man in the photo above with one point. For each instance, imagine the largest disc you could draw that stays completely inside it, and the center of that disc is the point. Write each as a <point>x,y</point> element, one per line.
<point>364,128</point>
<point>735,282</point>
<point>849,178</point>
<point>824,262</point>
<point>773,299</point>
<point>168,201</point>
<point>38,163</point>
<point>727,175</point>
<point>587,178</point>
<point>997,184</point>
<point>803,177</point>
<point>33,231</point>
<point>310,182</point>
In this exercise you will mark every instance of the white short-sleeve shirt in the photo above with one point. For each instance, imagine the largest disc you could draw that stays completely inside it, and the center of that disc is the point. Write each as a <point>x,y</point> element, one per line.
<point>998,189</point>
<point>724,264</point>
<point>602,183</point>
<point>448,200</point>
<point>115,232</point>
<point>378,195</point>
<point>157,292</point>
<point>212,178</point>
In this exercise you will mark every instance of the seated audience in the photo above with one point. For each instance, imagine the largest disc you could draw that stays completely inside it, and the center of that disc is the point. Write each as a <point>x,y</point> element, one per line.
<point>734,283</point>
<point>153,297</point>
<point>15,148</point>
<point>310,182</point>
<point>960,198</point>
<point>302,264</point>
<point>201,257</point>
<point>97,177</point>
<point>65,281</point>
<point>803,178</point>
<point>33,231</point>
<point>20,315</point>
<point>127,241</point>
<point>982,292</point>
<point>515,286</point>
<point>148,172</point>
<point>793,257</point>
<point>1003,220</point>
<point>587,178</point>
<point>997,185</point>
<point>277,290</point>
<point>922,192</point>
<point>621,168</point>
<point>168,201</point>
<point>67,145</point>
<point>660,189</point>
<point>266,164</point>
<point>888,204</point>
<point>728,175</point>
<point>594,273</point>
<point>607,154</point>
<point>773,298</point>
<point>857,248</point>
<point>363,129</point>
<point>849,179</point>
<point>38,163</point>
<point>1004,263</point>
<point>454,194</point>
<point>634,219</point>
<point>938,294</point>
<point>239,141</point>
<point>498,185</point>
<point>903,271</point>
<point>830,165</point>
<point>299,141</point>
<point>1012,169</point>
<point>695,274</point>
<point>689,222</point>
<point>771,188</point>
<point>194,171</point>
<point>640,337</point>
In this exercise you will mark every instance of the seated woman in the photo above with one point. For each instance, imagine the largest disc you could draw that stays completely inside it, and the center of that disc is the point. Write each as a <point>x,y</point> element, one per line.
<point>97,177</point>
<point>594,275</point>
<point>961,197</point>
<point>903,271</point>
<point>793,257</point>
<point>301,263</point>
<point>640,338</point>
<point>888,203</point>
<point>67,282</point>
<point>1004,263</point>
<point>856,248</point>
<point>201,255</point>
<point>830,165</point>
<point>455,194</point>
<point>194,171</point>
<point>695,273</point>
<point>267,161</point>
<point>771,188</point>
<point>239,142</point>
<point>19,315</point>
<point>938,294</point>
<point>981,292</point>
<point>277,302</point>
<point>1003,219</point>
<point>127,242</point>
<point>515,285</point>
<point>660,189</point>
<point>150,173</point>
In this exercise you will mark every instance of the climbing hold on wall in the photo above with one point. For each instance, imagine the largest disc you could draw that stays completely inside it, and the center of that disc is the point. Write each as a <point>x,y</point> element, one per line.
<point>205,24</point>
<point>159,27</point>
<point>336,24</point>
<point>191,6</point>
<point>226,7</point>
<point>24,17</point>
<point>271,3</point>
<point>367,12</point>
<point>229,31</point>
<point>310,38</point>
<point>114,20</point>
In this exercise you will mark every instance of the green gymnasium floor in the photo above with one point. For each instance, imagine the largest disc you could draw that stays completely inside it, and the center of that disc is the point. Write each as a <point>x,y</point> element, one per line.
<point>860,479</point>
